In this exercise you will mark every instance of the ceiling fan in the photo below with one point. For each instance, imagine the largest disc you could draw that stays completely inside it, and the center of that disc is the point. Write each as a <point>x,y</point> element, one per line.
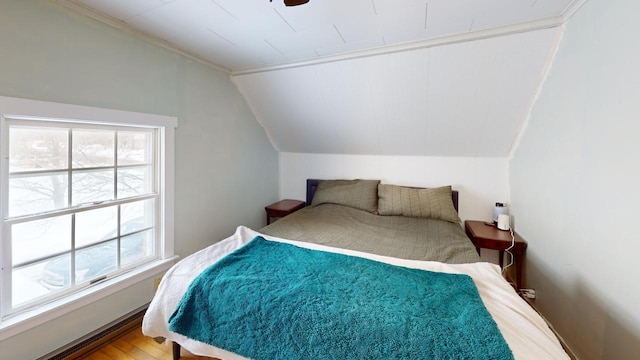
<point>293,2</point>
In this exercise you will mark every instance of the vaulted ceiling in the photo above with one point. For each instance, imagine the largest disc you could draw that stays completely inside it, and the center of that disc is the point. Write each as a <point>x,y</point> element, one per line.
<point>467,99</point>
<point>380,77</point>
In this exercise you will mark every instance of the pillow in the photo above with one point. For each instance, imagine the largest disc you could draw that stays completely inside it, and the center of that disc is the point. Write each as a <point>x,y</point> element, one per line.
<point>359,194</point>
<point>432,203</point>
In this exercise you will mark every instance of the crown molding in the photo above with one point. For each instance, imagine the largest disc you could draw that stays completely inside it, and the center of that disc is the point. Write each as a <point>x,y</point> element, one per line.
<point>572,8</point>
<point>505,30</point>
<point>120,25</point>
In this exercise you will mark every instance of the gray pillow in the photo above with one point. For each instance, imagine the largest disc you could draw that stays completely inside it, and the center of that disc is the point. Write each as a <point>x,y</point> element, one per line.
<point>359,194</point>
<point>432,203</point>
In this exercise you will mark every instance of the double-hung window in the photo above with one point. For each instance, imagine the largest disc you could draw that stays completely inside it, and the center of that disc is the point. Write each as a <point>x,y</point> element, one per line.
<point>83,201</point>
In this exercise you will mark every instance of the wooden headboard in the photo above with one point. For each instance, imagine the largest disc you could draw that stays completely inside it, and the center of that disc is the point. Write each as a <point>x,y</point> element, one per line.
<point>312,185</point>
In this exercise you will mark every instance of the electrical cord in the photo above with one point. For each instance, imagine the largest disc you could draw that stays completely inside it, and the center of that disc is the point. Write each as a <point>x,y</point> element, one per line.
<point>507,250</point>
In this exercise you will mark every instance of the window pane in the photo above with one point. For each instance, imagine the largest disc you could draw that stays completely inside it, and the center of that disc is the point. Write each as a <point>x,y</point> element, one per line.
<point>136,247</point>
<point>93,148</point>
<point>134,181</point>
<point>134,148</point>
<point>40,238</point>
<point>37,193</point>
<point>36,149</point>
<point>96,225</point>
<point>56,273</point>
<point>95,261</point>
<point>136,216</point>
<point>36,280</point>
<point>91,186</point>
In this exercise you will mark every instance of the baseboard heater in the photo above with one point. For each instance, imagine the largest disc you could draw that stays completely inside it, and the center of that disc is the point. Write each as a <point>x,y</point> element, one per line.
<point>99,337</point>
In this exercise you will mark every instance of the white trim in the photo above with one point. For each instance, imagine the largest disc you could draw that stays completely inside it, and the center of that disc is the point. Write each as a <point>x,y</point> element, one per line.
<point>167,181</point>
<point>44,313</point>
<point>525,124</point>
<point>36,109</point>
<point>545,23</point>
<point>255,113</point>
<point>5,246</point>
<point>572,8</point>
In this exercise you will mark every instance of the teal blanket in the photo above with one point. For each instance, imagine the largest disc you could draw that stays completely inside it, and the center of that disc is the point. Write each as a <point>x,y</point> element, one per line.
<point>269,300</point>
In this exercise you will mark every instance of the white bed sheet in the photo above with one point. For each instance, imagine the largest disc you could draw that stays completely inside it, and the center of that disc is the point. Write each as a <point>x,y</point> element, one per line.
<point>524,330</point>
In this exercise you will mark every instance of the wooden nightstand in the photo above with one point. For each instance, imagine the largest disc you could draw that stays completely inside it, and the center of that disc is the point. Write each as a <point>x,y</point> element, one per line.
<point>490,237</point>
<point>283,208</point>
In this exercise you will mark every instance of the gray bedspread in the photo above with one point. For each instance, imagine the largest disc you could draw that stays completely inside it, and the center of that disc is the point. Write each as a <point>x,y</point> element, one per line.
<point>397,236</point>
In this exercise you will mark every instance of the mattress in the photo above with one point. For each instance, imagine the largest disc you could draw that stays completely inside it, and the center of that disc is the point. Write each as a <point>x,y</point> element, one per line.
<point>396,236</point>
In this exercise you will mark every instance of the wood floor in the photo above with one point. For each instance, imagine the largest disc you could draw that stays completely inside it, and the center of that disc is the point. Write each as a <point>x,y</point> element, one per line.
<point>132,345</point>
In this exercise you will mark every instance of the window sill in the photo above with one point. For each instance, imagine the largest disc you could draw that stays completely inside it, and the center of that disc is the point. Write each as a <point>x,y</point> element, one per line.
<point>31,318</point>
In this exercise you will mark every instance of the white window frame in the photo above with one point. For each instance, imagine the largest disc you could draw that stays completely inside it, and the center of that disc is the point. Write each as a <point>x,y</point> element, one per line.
<point>50,111</point>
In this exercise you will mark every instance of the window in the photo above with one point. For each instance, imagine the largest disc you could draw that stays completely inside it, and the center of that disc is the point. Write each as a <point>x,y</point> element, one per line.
<point>83,201</point>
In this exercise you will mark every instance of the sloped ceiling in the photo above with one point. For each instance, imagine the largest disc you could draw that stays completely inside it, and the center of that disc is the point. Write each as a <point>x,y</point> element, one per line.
<point>377,77</point>
<point>466,99</point>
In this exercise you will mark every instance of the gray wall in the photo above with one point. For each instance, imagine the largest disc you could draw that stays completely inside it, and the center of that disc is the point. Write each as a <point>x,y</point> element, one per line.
<point>574,184</point>
<point>226,168</point>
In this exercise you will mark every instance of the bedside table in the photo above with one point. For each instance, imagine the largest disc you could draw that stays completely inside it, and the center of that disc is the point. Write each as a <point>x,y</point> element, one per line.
<point>490,237</point>
<point>283,208</point>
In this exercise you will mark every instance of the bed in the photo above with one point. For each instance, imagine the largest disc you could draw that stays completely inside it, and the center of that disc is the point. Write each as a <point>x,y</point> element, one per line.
<point>366,270</point>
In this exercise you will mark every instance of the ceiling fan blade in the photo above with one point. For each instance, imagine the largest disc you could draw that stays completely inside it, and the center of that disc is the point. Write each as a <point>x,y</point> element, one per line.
<point>295,2</point>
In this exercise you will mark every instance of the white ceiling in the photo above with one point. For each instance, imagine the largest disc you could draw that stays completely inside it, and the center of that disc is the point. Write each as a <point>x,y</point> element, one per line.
<point>245,34</point>
<point>376,77</point>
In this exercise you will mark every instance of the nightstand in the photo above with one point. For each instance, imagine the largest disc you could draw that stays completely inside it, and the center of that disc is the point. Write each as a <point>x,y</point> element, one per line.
<point>490,237</point>
<point>283,208</point>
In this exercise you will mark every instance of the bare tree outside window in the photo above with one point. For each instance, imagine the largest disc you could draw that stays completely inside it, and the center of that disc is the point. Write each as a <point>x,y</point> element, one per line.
<point>39,167</point>
<point>37,163</point>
